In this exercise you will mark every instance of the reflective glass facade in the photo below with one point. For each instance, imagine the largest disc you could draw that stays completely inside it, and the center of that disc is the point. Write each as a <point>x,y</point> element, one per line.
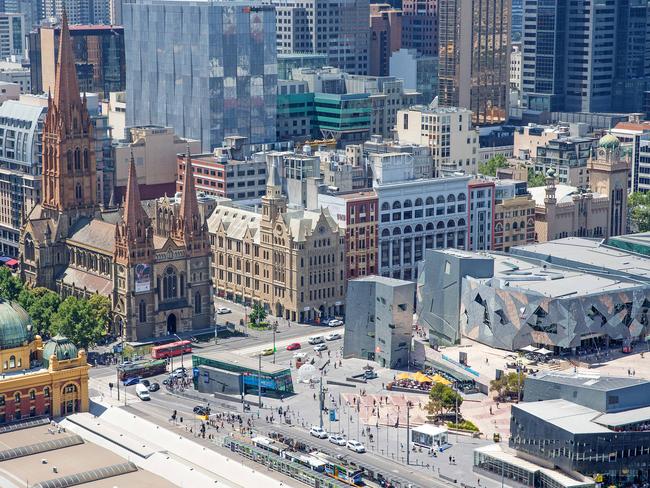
<point>207,69</point>
<point>474,46</point>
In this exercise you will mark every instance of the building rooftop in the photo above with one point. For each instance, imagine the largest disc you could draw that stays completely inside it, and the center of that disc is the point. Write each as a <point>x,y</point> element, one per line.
<point>588,381</point>
<point>566,415</point>
<point>247,362</point>
<point>550,281</point>
<point>589,254</point>
<point>563,193</point>
<point>384,280</point>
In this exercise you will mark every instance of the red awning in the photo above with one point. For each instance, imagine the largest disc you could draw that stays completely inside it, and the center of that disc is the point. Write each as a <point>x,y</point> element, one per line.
<point>11,262</point>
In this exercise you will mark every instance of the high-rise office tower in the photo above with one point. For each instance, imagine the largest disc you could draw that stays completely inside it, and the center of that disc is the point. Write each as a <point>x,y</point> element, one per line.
<point>78,11</point>
<point>337,28</point>
<point>585,55</point>
<point>420,26</point>
<point>12,34</point>
<point>474,50</point>
<point>206,68</point>
<point>385,37</point>
<point>29,8</point>
<point>517,23</point>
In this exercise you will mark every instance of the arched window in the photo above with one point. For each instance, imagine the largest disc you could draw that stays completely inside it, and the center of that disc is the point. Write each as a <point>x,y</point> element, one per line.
<point>396,204</point>
<point>46,392</point>
<point>451,198</point>
<point>429,226</point>
<point>430,201</point>
<point>385,206</point>
<point>451,223</point>
<point>407,203</point>
<point>385,233</point>
<point>17,398</point>
<point>169,283</point>
<point>12,361</point>
<point>78,192</point>
<point>69,159</point>
<point>461,197</point>
<point>461,222</point>
<point>29,248</point>
<point>507,226</point>
<point>440,225</point>
<point>514,226</point>
<point>522,225</point>
<point>418,202</point>
<point>142,311</point>
<point>498,227</point>
<point>32,394</point>
<point>86,159</point>
<point>197,302</point>
<point>408,229</point>
<point>396,231</point>
<point>440,199</point>
<point>2,400</point>
<point>71,388</point>
<point>418,228</point>
<point>77,159</point>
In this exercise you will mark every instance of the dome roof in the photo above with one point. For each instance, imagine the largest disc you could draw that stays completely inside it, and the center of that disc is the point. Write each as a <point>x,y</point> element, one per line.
<point>15,325</point>
<point>609,141</point>
<point>59,346</point>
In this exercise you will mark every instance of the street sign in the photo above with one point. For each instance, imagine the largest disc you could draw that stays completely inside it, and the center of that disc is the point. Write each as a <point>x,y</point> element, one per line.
<point>333,414</point>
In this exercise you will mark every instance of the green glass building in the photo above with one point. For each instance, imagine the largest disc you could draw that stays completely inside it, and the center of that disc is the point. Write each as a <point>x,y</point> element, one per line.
<point>345,118</point>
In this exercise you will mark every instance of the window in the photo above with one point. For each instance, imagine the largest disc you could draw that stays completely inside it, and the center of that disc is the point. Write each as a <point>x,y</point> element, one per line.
<point>32,394</point>
<point>70,389</point>
<point>169,284</point>
<point>12,361</point>
<point>46,392</point>
<point>142,311</point>
<point>197,302</point>
<point>2,400</point>
<point>17,398</point>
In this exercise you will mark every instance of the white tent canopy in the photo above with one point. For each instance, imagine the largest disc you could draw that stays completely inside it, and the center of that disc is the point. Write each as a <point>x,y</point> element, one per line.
<point>528,348</point>
<point>543,351</point>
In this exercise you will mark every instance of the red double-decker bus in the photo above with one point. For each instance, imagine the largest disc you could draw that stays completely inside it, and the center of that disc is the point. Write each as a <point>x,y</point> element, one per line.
<point>171,349</point>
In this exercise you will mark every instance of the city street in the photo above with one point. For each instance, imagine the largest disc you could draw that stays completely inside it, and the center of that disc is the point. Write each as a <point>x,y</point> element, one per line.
<point>387,451</point>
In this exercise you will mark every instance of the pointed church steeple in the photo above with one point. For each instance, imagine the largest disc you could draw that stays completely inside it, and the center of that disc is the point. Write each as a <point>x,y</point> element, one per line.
<point>69,167</point>
<point>273,203</point>
<point>134,232</point>
<point>189,228</point>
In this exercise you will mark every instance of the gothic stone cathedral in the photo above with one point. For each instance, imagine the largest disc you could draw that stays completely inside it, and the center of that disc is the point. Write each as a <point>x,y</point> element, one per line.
<point>157,274</point>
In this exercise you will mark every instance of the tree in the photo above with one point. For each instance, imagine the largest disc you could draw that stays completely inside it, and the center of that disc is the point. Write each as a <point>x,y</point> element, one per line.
<point>535,178</point>
<point>41,304</point>
<point>258,314</point>
<point>639,206</point>
<point>489,168</point>
<point>80,320</point>
<point>443,398</point>
<point>10,285</point>
<point>508,385</point>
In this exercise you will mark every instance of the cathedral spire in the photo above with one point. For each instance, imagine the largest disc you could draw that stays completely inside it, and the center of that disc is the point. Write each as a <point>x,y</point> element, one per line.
<point>189,219</point>
<point>133,211</point>
<point>66,88</point>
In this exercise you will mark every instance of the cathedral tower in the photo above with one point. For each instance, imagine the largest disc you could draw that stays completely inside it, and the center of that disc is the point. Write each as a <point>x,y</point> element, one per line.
<point>69,171</point>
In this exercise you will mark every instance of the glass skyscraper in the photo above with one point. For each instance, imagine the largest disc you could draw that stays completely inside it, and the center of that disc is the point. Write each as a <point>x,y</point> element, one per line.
<point>206,68</point>
<point>474,62</point>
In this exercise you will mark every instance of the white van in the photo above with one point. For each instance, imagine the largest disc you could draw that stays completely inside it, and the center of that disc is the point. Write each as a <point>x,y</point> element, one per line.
<point>316,340</point>
<point>142,392</point>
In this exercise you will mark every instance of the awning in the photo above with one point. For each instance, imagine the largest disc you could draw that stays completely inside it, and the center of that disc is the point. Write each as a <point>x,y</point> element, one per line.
<point>436,378</point>
<point>11,262</point>
<point>543,351</point>
<point>528,348</point>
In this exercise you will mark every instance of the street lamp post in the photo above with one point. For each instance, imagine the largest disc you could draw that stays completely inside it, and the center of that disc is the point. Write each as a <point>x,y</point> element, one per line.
<point>275,328</point>
<point>408,428</point>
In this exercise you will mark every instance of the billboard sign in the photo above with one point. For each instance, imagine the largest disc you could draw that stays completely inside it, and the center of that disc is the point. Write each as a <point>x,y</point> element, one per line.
<point>142,278</point>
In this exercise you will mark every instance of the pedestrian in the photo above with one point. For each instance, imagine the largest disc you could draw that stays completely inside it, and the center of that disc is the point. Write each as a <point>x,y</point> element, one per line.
<point>490,409</point>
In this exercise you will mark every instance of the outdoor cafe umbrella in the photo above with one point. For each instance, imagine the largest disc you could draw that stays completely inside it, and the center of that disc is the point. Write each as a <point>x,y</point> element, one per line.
<point>421,377</point>
<point>436,378</point>
<point>543,351</point>
<point>528,348</point>
<point>404,376</point>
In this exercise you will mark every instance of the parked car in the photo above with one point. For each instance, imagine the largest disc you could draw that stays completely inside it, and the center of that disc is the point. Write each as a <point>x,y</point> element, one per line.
<point>316,340</point>
<point>293,346</point>
<point>131,381</point>
<point>142,392</point>
<point>335,323</point>
<point>299,355</point>
<point>267,352</point>
<point>369,374</point>
<point>145,383</point>
<point>355,446</point>
<point>332,336</point>
<point>223,310</point>
<point>320,347</point>
<point>318,432</point>
<point>337,439</point>
<point>154,387</point>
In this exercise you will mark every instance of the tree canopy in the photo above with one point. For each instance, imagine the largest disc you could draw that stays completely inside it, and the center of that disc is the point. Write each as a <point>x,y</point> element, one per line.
<point>639,206</point>
<point>83,321</point>
<point>442,399</point>
<point>489,168</point>
<point>535,178</point>
<point>508,385</point>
